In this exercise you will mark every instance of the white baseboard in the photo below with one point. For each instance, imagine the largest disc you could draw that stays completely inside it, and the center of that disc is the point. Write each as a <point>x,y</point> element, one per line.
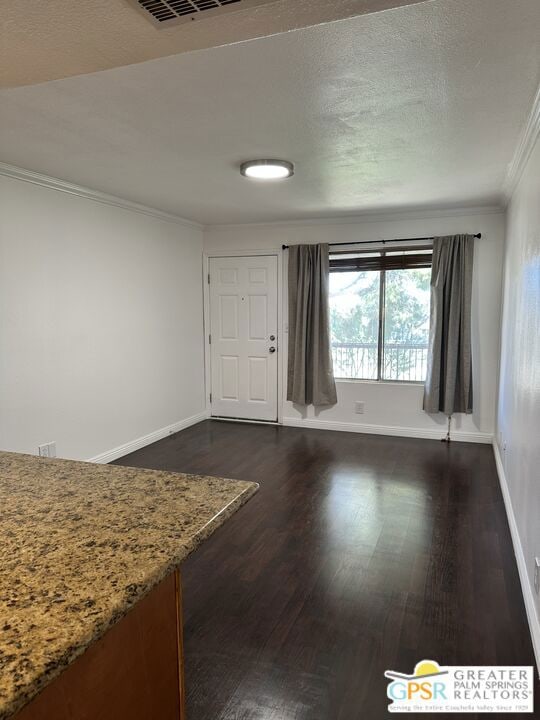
<point>528,597</point>
<point>152,437</point>
<point>428,433</point>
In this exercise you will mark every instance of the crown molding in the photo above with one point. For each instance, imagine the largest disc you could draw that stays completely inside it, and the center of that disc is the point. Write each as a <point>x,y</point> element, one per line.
<point>17,173</point>
<point>371,217</point>
<point>527,140</point>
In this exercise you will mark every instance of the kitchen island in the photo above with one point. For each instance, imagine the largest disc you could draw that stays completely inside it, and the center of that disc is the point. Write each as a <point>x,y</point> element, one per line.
<point>90,594</point>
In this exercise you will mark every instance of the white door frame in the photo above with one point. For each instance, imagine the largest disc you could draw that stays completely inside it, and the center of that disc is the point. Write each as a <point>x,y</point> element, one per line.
<point>281,339</point>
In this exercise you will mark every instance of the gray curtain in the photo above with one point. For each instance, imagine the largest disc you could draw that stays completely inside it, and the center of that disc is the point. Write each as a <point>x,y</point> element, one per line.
<point>448,386</point>
<point>310,377</point>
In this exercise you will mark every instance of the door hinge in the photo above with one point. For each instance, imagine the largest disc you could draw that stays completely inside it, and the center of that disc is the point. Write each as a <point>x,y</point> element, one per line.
<point>209,339</point>
<point>209,278</point>
<point>210,397</point>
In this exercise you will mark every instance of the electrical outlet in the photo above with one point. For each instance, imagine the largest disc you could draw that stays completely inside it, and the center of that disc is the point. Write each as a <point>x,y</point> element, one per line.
<point>47,450</point>
<point>537,575</point>
<point>359,406</point>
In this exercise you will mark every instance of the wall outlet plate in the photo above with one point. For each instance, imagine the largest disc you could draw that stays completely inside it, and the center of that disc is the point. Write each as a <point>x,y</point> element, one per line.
<point>359,407</point>
<point>47,450</point>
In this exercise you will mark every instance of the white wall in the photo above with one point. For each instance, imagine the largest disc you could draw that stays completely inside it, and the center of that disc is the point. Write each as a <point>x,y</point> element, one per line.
<point>101,316</point>
<point>518,417</point>
<point>101,336</point>
<point>397,408</point>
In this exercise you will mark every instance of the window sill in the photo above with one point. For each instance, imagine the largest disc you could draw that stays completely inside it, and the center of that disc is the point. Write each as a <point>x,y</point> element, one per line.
<point>400,383</point>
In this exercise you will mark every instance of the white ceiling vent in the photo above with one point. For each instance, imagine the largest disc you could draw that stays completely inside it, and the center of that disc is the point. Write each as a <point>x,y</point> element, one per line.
<point>169,12</point>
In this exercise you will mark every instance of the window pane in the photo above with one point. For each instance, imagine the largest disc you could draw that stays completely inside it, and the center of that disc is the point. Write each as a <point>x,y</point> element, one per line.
<point>406,324</point>
<point>354,320</point>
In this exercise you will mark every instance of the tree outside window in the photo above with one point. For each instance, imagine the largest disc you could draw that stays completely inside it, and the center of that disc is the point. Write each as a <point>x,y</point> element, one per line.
<point>380,323</point>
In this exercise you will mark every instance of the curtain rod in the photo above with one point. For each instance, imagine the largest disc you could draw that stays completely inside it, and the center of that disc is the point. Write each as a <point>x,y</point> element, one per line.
<point>381,242</point>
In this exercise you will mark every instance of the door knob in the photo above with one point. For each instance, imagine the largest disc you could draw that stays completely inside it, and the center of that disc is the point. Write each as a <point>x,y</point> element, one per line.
<point>272,349</point>
<point>272,338</point>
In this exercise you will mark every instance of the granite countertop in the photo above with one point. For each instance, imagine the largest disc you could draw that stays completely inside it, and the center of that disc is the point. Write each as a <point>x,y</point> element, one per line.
<point>80,544</point>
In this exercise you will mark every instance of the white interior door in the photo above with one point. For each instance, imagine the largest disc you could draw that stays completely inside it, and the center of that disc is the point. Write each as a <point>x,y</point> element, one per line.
<point>243,337</point>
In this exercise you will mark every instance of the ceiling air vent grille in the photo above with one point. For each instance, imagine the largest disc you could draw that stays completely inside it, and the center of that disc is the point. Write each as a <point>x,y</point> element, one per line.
<point>165,12</point>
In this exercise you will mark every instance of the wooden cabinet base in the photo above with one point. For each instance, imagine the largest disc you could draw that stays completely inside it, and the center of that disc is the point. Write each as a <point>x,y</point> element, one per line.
<point>135,672</point>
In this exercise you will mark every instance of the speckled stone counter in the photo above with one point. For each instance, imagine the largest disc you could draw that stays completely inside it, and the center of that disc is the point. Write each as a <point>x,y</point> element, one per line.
<point>80,544</point>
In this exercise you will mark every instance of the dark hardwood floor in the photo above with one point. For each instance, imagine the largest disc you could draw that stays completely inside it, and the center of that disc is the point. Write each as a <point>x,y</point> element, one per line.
<point>360,553</point>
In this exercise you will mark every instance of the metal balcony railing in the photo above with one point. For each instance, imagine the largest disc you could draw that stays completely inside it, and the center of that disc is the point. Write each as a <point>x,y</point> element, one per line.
<point>401,362</point>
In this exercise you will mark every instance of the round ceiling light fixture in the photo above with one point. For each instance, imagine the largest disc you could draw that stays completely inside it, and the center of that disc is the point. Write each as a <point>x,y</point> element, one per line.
<point>267,169</point>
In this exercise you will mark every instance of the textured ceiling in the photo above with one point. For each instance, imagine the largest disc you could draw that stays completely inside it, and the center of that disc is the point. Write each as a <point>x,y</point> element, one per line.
<point>420,106</point>
<point>54,39</point>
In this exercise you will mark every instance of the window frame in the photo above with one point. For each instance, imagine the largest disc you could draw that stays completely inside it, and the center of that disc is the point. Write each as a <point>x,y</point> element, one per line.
<point>357,264</point>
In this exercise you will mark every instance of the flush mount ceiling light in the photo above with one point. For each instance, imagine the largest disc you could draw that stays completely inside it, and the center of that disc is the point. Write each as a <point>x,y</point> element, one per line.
<point>267,169</point>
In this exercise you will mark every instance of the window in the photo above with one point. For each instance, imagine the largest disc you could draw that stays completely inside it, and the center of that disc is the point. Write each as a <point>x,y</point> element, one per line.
<point>379,312</point>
